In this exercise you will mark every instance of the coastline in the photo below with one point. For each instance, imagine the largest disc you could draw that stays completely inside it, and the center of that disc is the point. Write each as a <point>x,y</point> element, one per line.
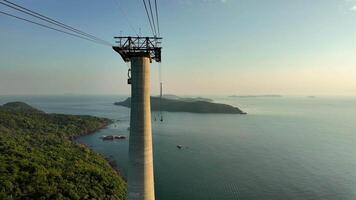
<point>41,157</point>
<point>110,161</point>
<point>89,132</point>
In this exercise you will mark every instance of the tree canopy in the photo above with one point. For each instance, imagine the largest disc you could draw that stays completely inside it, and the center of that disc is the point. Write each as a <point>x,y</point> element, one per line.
<point>39,160</point>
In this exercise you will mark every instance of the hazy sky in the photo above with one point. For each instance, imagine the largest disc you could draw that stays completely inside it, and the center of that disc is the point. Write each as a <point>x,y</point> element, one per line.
<point>293,47</point>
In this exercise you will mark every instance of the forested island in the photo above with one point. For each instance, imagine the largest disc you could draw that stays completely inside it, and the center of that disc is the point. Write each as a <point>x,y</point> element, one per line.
<point>40,160</point>
<point>192,105</point>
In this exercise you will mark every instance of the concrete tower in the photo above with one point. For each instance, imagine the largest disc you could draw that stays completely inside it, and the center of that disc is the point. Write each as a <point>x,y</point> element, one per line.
<point>140,176</point>
<point>140,52</point>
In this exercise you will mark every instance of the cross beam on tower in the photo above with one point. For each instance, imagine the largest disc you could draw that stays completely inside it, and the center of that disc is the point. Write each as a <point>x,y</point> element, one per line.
<point>129,47</point>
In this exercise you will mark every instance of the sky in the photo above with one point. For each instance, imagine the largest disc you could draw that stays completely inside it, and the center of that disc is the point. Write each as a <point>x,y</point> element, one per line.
<point>210,47</point>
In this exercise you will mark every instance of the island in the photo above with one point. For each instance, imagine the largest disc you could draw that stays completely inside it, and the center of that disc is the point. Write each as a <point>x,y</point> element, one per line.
<point>175,97</point>
<point>192,105</point>
<point>256,96</point>
<point>39,158</point>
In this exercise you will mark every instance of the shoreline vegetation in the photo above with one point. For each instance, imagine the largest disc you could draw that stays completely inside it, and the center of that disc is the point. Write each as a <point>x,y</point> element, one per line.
<point>191,105</point>
<point>40,159</point>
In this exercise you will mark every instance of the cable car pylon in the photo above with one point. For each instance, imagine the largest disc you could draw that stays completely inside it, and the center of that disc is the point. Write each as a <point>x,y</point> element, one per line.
<point>140,51</point>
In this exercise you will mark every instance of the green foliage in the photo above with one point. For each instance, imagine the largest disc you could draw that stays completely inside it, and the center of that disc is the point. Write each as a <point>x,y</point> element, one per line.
<point>20,106</point>
<point>39,160</point>
<point>192,105</point>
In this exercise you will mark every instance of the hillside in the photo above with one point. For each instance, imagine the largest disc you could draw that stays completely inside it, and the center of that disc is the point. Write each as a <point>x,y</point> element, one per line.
<point>39,160</point>
<point>193,105</point>
<point>20,106</point>
<point>175,97</point>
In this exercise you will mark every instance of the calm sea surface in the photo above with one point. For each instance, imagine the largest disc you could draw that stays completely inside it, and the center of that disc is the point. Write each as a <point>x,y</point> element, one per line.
<point>294,148</point>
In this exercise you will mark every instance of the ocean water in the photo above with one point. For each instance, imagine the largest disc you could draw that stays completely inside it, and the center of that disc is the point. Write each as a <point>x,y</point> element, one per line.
<point>285,148</point>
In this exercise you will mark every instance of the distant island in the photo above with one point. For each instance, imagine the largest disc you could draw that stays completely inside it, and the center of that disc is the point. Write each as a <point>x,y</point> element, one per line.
<point>40,160</point>
<point>175,97</point>
<point>192,105</point>
<point>255,96</point>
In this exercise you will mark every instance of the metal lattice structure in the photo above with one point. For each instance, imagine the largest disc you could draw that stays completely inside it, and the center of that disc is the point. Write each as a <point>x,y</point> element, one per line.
<point>129,47</point>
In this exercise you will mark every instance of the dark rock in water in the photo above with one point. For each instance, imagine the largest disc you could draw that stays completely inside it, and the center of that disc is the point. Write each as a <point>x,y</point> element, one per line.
<point>20,107</point>
<point>178,105</point>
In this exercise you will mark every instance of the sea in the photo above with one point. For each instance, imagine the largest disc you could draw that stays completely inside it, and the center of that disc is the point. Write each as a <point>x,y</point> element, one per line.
<point>285,148</point>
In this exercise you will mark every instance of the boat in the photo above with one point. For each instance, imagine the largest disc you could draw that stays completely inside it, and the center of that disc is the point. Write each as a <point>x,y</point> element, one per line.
<point>120,137</point>
<point>108,137</point>
<point>179,146</point>
<point>112,137</point>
